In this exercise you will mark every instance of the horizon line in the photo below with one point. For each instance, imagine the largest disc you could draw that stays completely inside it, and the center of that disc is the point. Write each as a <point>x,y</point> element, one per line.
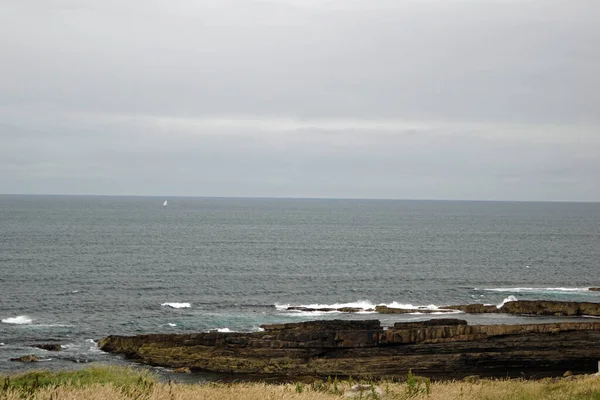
<point>164,196</point>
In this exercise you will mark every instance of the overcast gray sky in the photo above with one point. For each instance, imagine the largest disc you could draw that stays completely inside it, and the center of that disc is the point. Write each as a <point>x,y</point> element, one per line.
<point>423,99</point>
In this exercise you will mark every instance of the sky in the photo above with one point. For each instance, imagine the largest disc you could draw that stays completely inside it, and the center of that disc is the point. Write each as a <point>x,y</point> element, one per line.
<point>394,99</point>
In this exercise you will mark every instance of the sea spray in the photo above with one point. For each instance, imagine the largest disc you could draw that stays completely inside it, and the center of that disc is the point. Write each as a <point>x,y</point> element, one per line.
<point>506,300</point>
<point>177,305</point>
<point>19,320</point>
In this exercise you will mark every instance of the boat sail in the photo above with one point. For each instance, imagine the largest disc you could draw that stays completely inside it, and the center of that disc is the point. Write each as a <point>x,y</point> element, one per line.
<point>165,204</point>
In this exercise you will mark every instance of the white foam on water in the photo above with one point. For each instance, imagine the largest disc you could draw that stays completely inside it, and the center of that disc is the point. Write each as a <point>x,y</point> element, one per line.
<point>171,324</point>
<point>539,289</point>
<point>88,345</point>
<point>297,313</point>
<point>176,305</point>
<point>18,320</point>
<point>94,346</point>
<point>364,305</point>
<point>224,330</point>
<point>411,307</point>
<point>507,300</point>
<point>447,312</point>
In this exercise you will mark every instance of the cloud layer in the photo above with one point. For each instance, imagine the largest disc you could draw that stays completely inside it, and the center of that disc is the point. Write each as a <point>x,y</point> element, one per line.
<point>379,99</point>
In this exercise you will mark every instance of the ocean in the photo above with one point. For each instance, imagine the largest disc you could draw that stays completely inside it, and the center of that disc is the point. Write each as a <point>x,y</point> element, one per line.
<point>76,268</point>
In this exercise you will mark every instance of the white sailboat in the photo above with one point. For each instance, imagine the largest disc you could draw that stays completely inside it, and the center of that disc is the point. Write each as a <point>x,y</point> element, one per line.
<point>165,204</point>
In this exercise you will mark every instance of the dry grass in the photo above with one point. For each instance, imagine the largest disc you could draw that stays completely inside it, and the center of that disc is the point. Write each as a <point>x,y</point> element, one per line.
<point>585,387</point>
<point>578,388</point>
<point>253,391</point>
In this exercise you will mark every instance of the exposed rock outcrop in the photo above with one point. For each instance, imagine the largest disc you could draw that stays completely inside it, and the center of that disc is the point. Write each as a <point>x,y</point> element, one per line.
<point>534,307</point>
<point>594,289</point>
<point>431,322</point>
<point>393,310</point>
<point>26,359</point>
<point>523,307</point>
<point>557,308</point>
<point>48,346</point>
<point>445,349</point>
<point>328,309</point>
<point>474,308</point>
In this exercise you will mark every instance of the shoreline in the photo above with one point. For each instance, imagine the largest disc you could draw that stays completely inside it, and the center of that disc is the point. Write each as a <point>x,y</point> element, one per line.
<point>528,313</point>
<point>440,349</point>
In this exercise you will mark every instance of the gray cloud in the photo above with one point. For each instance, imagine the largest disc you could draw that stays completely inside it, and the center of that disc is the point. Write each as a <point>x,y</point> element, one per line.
<point>403,99</point>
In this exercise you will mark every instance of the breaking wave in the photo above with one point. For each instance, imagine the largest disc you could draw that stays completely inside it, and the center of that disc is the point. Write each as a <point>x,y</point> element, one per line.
<point>19,320</point>
<point>176,305</point>
<point>507,300</point>
<point>364,305</point>
<point>539,290</point>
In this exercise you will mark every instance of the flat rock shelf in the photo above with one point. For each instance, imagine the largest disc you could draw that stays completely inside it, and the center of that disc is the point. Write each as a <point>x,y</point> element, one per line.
<point>440,349</point>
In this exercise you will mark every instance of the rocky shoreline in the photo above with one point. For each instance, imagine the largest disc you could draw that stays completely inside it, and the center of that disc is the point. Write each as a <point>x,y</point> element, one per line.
<point>440,348</point>
<point>522,307</point>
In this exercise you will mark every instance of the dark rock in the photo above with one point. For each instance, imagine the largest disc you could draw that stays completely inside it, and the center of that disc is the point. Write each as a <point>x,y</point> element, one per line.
<point>26,359</point>
<point>474,308</point>
<point>48,346</point>
<point>328,309</point>
<point>350,309</point>
<point>551,308</point>
<point>594,289</point>
<point>329,325</point>
<point>447,349</point>
<point>431,322</point>
<point>533,307</point>
<point>308,309</point>
<point>392,310</point>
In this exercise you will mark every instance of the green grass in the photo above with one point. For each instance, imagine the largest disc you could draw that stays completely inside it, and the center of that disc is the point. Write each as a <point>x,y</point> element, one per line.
<point>117,376</point>
<point>119,383</point>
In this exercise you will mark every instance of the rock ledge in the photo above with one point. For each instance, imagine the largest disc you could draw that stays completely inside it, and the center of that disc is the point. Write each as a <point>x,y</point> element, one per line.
<point>446,348</point>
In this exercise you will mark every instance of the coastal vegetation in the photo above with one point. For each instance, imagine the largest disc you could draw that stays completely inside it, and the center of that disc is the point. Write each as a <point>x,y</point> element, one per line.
<point>119,383</point>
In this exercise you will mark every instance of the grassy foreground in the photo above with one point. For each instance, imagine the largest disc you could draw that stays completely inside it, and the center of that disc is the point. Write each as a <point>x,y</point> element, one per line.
<point>116,383</point>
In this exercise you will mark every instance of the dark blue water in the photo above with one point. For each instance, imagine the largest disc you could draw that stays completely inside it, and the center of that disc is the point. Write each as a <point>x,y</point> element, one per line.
<point>74,269</point>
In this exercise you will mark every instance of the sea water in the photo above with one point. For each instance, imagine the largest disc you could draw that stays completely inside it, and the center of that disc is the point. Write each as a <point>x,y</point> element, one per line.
<point>76,268</point>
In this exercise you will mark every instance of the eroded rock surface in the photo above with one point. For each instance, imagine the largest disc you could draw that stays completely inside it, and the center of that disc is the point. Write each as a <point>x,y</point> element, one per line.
<point>48,346</point>
<point>445,349</point>
<point>328,309</point>
<point>523,307</point>
<point>534,307</point>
